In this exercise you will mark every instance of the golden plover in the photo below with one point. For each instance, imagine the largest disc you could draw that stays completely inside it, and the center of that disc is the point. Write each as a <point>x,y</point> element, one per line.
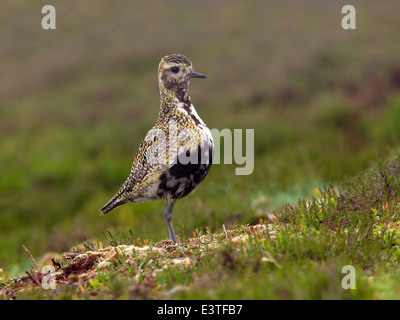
<point>176,154</point>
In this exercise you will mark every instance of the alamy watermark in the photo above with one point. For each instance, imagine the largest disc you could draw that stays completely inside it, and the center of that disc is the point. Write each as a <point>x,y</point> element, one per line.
<point>349,20</point>
<point>49,279</point>
<point>49,18</point>
<point>349,280</point>
<point>191,146</point>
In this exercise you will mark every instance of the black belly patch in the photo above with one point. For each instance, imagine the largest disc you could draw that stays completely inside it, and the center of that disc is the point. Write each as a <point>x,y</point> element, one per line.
<point>181,179</point>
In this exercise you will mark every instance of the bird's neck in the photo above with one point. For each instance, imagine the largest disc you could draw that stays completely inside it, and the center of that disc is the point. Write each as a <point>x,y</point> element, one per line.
<point>177,101</point>
<point>176,93</point>
<point>173,98</point>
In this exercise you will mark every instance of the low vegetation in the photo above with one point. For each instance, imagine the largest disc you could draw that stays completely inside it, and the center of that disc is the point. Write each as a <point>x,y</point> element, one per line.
<point>298,253</point>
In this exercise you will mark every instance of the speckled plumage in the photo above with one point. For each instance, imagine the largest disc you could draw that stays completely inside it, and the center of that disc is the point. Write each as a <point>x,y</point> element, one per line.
<point>176,154</point>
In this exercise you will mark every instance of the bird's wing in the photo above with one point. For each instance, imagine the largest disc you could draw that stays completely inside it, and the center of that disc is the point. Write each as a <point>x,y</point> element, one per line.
<point>150,161</point>
<point>143,172</point>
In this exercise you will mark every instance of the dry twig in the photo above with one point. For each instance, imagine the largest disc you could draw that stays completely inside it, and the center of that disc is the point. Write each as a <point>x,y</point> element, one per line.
<point>30,256</point>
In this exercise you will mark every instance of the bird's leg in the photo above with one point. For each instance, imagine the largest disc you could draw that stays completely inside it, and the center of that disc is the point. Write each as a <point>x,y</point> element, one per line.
<point>168,217</point>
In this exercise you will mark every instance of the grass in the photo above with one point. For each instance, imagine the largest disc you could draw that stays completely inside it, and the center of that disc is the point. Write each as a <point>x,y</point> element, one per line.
<point>298,255</point>
<point>324,104</point>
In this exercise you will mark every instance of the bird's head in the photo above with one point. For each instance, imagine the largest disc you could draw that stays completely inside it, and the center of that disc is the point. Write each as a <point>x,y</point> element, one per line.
<point>175,72</point>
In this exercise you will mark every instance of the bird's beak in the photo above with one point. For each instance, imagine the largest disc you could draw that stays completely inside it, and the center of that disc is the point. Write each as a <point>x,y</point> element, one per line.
<point>195,74</point>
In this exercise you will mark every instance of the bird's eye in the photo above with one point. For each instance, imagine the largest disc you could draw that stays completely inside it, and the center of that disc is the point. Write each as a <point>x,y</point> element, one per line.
<point>175,69</point>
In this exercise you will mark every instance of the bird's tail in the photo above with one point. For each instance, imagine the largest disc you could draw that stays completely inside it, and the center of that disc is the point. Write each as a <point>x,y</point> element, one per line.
<point>116,201</point>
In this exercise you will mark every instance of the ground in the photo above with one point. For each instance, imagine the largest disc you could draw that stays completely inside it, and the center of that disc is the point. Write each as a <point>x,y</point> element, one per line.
<point>299,253</point>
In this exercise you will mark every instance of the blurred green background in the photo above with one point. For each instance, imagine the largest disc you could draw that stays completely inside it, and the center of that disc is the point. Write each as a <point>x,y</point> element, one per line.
<point>75,103</point>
